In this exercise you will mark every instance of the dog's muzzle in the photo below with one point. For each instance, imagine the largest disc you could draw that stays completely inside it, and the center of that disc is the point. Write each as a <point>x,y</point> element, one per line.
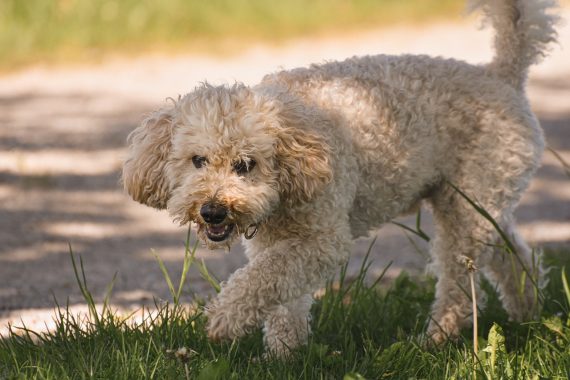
<point>215,215</point>
<point>216,225</point>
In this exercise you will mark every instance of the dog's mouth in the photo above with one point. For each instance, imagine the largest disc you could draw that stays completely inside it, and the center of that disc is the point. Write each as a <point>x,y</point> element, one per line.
<point>219,232</point>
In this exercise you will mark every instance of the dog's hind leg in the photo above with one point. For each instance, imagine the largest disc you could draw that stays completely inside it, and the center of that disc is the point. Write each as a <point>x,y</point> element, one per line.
<point>461,236</point>
<point>491,166</point>
<point>511,273</point>
<point>287,326</point>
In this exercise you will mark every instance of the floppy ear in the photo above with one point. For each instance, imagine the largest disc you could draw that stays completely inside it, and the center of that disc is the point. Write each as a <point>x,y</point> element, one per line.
<point>304,165</point>
<point>144,175</point>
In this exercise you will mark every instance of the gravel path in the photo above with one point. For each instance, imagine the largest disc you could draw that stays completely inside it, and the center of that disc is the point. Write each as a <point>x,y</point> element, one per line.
<point>62,139</point>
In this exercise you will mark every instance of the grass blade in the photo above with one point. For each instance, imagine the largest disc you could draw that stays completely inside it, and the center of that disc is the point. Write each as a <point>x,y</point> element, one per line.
<point>108,293</point>
<point>166,276</point>
<point>565,165</point>
<point>418,231</point>
<point>208,277</point>
<point>82,282</point>
<point>189,256</point>
<point>565,285</point>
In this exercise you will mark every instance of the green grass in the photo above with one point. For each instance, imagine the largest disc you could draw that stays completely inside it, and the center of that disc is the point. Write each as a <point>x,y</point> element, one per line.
<point>360,331</point>
<point>58,30</point>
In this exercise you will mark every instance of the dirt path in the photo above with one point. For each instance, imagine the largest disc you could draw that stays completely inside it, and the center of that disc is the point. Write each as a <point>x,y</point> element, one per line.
<point>62,139</point>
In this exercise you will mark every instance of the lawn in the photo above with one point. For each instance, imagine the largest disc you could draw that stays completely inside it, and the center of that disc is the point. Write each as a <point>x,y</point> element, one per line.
<point>63,30</point>
<point>360,330</point>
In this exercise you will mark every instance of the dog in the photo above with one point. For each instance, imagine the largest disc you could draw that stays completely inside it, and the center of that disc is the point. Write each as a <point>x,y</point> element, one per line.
<point>309,159</point>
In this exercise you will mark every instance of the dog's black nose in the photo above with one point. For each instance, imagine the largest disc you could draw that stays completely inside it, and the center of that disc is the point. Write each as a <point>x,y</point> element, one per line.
<point>213,213</point>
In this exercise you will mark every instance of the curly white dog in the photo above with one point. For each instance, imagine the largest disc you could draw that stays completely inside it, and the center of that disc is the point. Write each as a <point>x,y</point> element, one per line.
<point>312,158</point>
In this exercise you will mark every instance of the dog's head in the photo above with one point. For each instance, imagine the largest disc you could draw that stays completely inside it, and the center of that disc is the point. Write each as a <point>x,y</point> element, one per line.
<point>226,158</point>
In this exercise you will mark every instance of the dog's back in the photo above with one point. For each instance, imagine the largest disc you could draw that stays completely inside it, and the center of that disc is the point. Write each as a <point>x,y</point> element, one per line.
<point>413,119</point>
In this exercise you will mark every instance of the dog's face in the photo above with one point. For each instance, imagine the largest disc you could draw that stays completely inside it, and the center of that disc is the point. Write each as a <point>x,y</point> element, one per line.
<point>222,174</point>
<point>225,158</point>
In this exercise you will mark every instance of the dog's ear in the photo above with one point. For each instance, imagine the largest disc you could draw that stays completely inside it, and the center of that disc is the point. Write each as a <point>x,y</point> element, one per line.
<point>304,164</point>
<point>144,174</point>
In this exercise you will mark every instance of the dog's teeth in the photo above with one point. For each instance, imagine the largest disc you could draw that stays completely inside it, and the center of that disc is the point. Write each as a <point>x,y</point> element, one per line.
<point>218,231</point>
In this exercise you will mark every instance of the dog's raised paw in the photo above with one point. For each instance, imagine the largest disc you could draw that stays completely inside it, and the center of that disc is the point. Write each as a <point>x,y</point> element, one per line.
<point>223,323</point>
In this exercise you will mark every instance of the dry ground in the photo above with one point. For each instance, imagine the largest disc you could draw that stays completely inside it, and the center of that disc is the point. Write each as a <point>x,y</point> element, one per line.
<point>62,139</point>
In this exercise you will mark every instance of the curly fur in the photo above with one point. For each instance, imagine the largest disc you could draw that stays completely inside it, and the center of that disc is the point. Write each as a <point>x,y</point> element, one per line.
<point>341,148</point>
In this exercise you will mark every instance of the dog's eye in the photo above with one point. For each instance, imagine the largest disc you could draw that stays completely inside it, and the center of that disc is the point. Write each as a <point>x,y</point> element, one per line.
<point>242,167</point>
<point>199,161</point>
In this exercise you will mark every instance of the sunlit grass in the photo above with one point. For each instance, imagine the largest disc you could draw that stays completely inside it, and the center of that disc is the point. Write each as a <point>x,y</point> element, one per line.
<point>56,30</point>
<point>359,331</point>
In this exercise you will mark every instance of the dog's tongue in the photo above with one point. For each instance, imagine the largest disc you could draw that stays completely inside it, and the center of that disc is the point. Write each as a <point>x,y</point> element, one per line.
<point>216,229</point>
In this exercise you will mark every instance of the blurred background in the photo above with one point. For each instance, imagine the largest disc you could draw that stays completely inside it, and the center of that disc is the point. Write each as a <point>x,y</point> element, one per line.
<point>63,30</point>
<point>76,76</point>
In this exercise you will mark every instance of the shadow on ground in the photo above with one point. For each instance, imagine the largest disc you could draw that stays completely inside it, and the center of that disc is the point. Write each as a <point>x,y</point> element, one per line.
<point>59,186</point>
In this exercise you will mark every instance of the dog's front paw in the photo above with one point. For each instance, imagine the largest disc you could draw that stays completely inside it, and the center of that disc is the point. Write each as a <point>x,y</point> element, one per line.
<point>219,323</point>
<point>224,322</point>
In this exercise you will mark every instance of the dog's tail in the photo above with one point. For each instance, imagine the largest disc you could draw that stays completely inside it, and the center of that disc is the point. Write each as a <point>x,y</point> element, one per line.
<point>523,31</point>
